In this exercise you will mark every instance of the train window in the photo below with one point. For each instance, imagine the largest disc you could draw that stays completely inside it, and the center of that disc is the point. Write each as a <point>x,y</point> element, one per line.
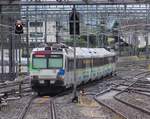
<point>36,34</point>
<point>39,63</point>
<point>109,59</point>
<point>55,61</point>
<point>114,59</point>
<point>36,24</point>
<point>101,61</point>
<point>88,63</point>
<point>94,62</point>
<point>105,60</point>
<point>79,63</point>
<point>70,66</point>
<point>83,63</point>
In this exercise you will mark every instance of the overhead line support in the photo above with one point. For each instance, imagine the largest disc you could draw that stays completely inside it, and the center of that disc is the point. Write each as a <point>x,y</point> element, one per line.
<point>25,3</point>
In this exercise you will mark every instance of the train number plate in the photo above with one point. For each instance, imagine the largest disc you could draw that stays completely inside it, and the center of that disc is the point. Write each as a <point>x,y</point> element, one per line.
<point>41,81</point>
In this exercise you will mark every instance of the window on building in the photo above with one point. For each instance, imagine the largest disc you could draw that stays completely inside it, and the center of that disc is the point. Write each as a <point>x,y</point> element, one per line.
<point>36,34</point>
<point>36,24</point>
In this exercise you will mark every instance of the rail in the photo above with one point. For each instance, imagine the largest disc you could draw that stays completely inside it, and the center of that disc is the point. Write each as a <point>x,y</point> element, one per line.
<point>26,108</point>
<point>52,109</point>
<point>14,87</point>
<point>137,78</point>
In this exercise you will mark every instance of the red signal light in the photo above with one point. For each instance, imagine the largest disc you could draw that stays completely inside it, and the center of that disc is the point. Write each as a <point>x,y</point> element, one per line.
<point>18,27</point>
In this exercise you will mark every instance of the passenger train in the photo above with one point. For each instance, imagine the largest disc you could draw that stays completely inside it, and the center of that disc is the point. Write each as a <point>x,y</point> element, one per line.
<point>53,66</point>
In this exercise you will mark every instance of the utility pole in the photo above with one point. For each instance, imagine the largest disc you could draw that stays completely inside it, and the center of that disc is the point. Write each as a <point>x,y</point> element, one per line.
<point>119,47</point>
<point>97,32</point>
<point>75,97</point>
<point>10,52</point>
<point>87,33</point>
<point>2,50</point>
<point>147,50</point>
<point>19,54</point>
<point>146,31</point>
<point>27,40</point>
<point>57,31</point>
<point>74,24</point>
<point>45,39</point>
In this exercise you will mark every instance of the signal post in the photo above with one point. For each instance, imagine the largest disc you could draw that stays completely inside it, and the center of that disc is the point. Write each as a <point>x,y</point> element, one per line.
<point>74,25</point>
<point>19,31</point>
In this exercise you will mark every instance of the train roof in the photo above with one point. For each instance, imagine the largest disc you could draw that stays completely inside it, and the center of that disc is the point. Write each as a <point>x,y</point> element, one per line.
<point>90,52</point>
<point>83,52</point>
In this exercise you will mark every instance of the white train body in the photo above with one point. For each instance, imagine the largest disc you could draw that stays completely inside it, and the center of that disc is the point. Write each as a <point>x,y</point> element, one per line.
<point>54,66</point>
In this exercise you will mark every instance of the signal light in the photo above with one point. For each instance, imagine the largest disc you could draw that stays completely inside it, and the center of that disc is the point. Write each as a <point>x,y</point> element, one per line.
<point>75,19</point>
<point>19,27</point>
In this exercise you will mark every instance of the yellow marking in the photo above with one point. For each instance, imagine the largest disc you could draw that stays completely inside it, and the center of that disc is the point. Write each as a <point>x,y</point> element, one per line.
<point>45,96</point>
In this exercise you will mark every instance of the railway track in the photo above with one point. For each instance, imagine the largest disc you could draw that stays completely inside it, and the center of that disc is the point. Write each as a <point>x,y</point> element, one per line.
<point>121,101</point>
<point>13,90</point>
<point>39,107</point>
<point>137,95</point>
<point>52,109</point>
<point>15,86</point>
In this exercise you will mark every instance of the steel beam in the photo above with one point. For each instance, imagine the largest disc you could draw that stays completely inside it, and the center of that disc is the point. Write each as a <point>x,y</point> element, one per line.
<point>102,2</point>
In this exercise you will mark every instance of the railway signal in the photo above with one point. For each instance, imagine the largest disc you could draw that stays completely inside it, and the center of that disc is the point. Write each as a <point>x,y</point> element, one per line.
<point>74,22</point>
<point>19,27</point>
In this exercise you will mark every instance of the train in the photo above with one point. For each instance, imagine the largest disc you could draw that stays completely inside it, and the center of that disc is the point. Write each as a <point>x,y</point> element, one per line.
<point>53,66</point>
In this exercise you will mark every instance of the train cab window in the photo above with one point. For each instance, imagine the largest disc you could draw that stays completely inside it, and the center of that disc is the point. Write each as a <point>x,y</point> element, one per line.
<point>39,63</point>
<point>55,61</point>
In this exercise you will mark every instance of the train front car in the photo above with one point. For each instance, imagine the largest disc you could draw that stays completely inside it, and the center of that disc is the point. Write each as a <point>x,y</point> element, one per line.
<point>47,69</point>
<point>51,68</point>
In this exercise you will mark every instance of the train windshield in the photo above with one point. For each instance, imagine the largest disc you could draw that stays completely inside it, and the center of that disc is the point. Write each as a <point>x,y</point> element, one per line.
<point>47,61</point>
<point>40,63</point>
<point>55,61</point>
